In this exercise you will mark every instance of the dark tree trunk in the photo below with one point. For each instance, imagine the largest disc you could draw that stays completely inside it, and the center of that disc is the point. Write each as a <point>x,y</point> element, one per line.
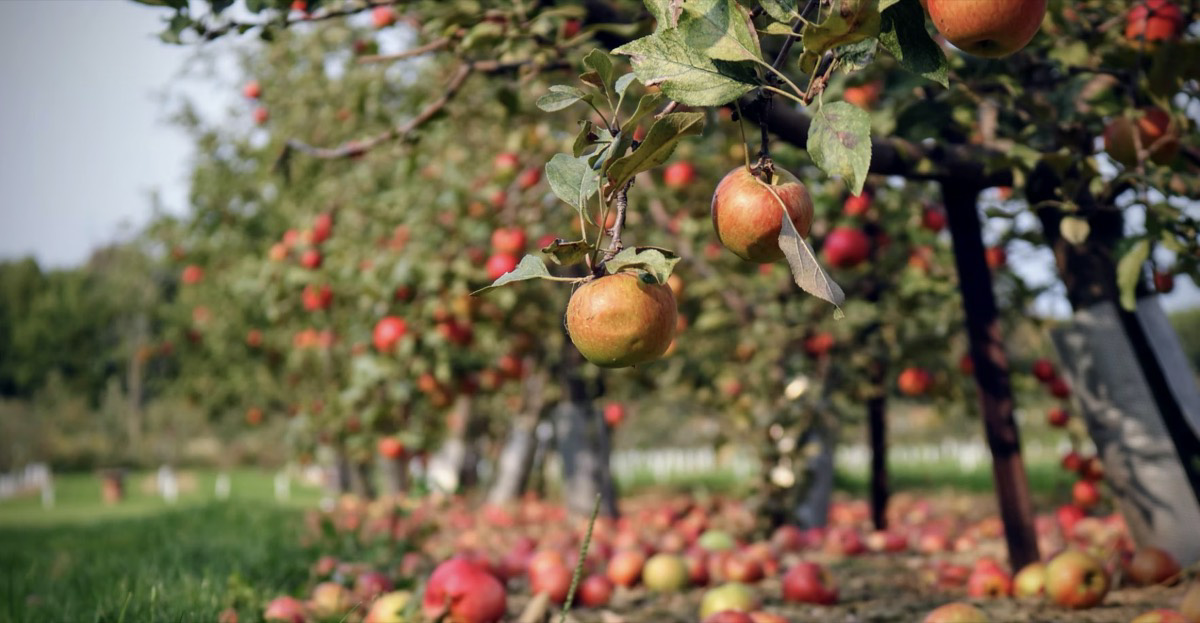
<point>877,431</point>
<point>583,443</point>
<point>991,374</point>
<point>812,509</point>
<point>394,474</point>
<point>360,480</point>
<point>515,463</point>
<point>342,477</point>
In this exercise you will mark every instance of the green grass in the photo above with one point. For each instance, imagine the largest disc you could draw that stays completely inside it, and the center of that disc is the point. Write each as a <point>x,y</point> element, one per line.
<point>180,565</point>
<point>77,497</point>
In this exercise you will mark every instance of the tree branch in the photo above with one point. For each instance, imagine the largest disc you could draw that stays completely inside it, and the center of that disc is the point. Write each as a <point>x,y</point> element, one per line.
<point>224,29</point>
<point>614,245</point>
<point>432,46</point>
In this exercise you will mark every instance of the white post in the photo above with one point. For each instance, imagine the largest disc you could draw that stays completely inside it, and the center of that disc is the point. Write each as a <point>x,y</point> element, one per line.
<point>223,486</point>
<point>283,486</point>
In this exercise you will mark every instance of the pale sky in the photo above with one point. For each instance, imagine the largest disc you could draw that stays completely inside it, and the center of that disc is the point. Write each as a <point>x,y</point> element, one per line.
<point>84,139</point>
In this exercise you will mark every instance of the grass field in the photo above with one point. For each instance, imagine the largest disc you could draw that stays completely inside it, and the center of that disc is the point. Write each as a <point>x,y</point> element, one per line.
<point>146,561</point>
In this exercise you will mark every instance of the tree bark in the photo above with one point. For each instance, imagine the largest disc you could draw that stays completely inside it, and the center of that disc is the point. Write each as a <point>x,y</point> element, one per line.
<point>583,443</point>
<point>991,373</point>
<point>515,463</point>
<point>394,474</point>
<point>812,509</point>
<point>877,431</point>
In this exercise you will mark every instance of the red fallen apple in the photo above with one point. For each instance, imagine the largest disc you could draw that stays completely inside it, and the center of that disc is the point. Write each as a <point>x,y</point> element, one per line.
<point>554,580</point>
<point>510,240</point>
<point>1059,388</point>
<point>1160,615</point>
<point>388,332</point>
<point>1154,20</point>
<point>322,227</point>
<point>595,591</point>
<point>625,567</point>
<point>463,592</point>
<point>252,90</point>
<point>1043,370</point>
<point>1092,469</point>
<point>311,259</point>
<point>679,175</point>
<point>932,542</point>
<point>192,274</point>
<point>956,613</point>
<point>391,448</point>
<point>758,616</point>
<point>330,599</point>
<point>743,569</point>
<point>285,610</point>
<point>529,178</point>
<point>807,582</point>
<point>1084,494</point>
<point>731,596</point>
<point>988,581</point>
<point>933,219</point>
<point>748,217</point>
<point>1151,565</point>
<point>371,584</point>
<point>383,16</point>
<point>846,247</point>
<point>614,413</point>
<point>914,381</point>
<point>389,608</point>
<point>788,538</point>
<point>1057,417</point>
<point>505,164</point>
<point>1075,580</point>
<point>316,297</point>
<point>621,320</point>
<point>988,28</point>
<point>1190,605</point>
<point>1164,282</point>
<point>1030,581</point>
<point>665,573</point>
<point>500,264</point>
<point>996,257</point>
<point>1067,516</point>
<point>261,115</point>
<point>697,564</point>
<point>857,205</point>
<point>729,616</point>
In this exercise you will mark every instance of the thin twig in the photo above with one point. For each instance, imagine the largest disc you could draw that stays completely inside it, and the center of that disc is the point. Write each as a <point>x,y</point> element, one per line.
<point>224,29</point>
<point>432,46</point>
<point>614,245</point>
<point>668,109</point>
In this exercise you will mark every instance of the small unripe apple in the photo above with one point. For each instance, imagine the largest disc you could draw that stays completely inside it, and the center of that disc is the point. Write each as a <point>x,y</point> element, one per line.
<point>846,247</point>
<point>987,28</point>
<point>679,175</point>
<point>621,320</point>
<point>389,608</point>
<point>747,216</point>
<point>665,573</point>
<point>1030,581</point>
<point>1154,20</point>
<point>330,599</point>
<point>731,596</point>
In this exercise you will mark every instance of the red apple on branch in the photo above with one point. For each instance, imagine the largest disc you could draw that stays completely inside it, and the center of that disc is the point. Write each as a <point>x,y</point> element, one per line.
<point>747,213</point>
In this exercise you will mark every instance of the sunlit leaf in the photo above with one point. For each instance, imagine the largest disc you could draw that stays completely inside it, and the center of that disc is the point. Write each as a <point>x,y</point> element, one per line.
<point>839,142</point>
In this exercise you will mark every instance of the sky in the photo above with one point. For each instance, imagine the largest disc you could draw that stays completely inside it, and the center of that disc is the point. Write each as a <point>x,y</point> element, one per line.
<point>84,138</point>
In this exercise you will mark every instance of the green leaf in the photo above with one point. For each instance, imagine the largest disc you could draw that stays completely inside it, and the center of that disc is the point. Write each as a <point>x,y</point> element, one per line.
<point>839,142</point>
<point>602,64</point>
<point>665,12</point>
<point>687,75</point>
<point>572,180</point>
<point>582,140</point>
<point>1129,272</point>
<point>566,253</point>
<point>777,28</point>
<point>531,267</point>
<point>656,262</point>
<point>482,35</point>
<point>560,97</point>
<point>647,105</point>
<point>850,21</point>
<point>623,83</point>
<point>806,271</point>
<point>857,56</point>
<point>779,10</point>
<point>721,29</point>
<point>902,33</point>
<point>660,141</point>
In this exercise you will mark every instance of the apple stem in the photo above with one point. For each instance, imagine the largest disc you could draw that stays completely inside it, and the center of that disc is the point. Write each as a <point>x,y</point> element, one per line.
<point>621,201</point>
